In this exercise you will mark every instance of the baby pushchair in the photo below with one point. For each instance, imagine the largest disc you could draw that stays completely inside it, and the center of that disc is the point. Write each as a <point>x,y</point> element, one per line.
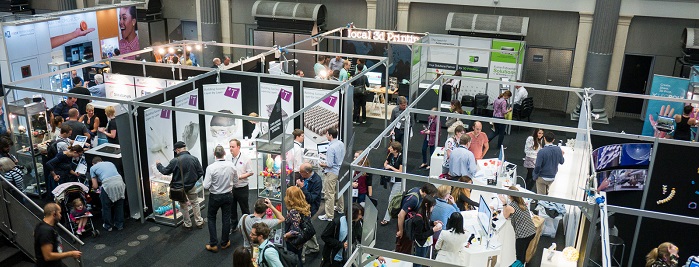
<point>65,193</point>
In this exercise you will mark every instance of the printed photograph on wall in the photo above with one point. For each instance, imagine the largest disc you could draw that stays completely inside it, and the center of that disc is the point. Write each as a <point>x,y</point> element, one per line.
<point>187,124</point>
<point>119,86</point>
<point>268,96</point>
<point>147,85</point>
<point>224,98</point>
<point>159,141</point>
<point>128,31</point>
<point>622,180</point>
<point>321,117</point>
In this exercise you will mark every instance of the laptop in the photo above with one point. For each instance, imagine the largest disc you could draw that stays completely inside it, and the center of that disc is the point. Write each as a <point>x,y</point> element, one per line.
<point>322,150</point>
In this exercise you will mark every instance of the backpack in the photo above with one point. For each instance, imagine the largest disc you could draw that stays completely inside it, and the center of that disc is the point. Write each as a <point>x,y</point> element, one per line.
<point>306,232</point>
<point>52,148</point>
<point>288,258</point>
<point>409,222</point>
<point>396,203</point>
<point>360,85</point>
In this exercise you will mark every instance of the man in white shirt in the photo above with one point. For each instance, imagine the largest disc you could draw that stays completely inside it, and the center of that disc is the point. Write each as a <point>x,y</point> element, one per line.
<point>295,155</point>
<point>520,94</point>
<point>219,179</point>
<point>240,188</point>
<point>336,63</point>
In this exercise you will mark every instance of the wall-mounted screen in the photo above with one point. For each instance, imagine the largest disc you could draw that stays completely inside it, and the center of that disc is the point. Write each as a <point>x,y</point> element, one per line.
<point>636,155</point>
<point>79,53</point>
<point>622,180</point>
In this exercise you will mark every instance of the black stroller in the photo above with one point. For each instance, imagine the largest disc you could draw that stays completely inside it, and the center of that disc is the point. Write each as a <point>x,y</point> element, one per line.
<point>65,194</point>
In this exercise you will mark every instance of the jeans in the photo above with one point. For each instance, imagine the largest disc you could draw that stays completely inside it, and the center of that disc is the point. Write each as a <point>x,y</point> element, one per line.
<point>426,157</point>
<point>194,202</point>
<point>240,198</point>
<point>112,220</point>
<point>216,202</point>
<point>529,180</point>
<point>421,252</point>
<point>395,190</point>
<point>359,106</point>
<point>330,192</point>
<point>399,134</point>
<point>499,132</point>
<point>359,199</point>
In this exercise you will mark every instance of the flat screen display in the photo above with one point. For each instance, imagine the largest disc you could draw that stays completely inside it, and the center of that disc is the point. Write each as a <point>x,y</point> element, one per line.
<point>622,180</point>
<point>618,156</point>
<point>374,78</point>
<point>323,147</point>
<point>79,53</point>
<point>484,215</point>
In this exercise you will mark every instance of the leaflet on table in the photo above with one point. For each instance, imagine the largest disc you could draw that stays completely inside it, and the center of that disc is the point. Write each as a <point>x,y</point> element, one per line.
<point>224,98</point>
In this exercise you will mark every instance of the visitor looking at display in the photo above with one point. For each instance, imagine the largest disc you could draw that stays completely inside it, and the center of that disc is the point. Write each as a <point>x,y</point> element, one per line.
<point>462,162</point>
<point>410,205</point>
<point>517,211</point>
<point>451,240</point>
<point>449,145</point>
<point>312,187</point>
<point>445,206</point>
<point>532,146</point>
<point>260,211</point>
<point>219,179</point>
<point>111,129</point>
<point>424,228</point>
<point>499,111</point>
<point>429,142</point>
<point>61,167</point>
<point>547,161</point>
<point>684,123</point>
<point>394,163</point>
<point>298,210</point>
<point>186,171</point>
<point>331,171</point>
<point>241,188</point>
<point>665,255</point>
<point>78,128</point>
<point>479,141</point>
<point>112,192</point>
<point>62,108</point>
<point>462,195</point>
<point>269,257</point>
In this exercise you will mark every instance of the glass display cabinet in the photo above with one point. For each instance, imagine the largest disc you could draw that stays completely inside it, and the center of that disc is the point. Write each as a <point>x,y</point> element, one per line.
<point>269,175</point>
<point>29,128</point>
<point>166,211</point>
<point>60,82</point>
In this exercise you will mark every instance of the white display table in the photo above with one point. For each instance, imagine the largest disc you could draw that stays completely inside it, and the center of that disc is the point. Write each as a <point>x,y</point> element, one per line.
<point>556,261</point>
<point>389,263</point>
<point>436,162</point>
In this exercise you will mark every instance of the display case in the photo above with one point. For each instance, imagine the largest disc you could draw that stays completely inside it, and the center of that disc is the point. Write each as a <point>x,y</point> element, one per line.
<point>29,128</point>
<point>165,210</point>
<point>60,82</point>
<point>269,182</point>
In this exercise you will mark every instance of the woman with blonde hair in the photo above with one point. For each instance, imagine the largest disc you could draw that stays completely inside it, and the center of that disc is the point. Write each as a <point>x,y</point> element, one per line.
<point>111,129</point>
<point>664,255</point>
<point>91,121</point>
<point>298,210</point>
<point>462,195</point>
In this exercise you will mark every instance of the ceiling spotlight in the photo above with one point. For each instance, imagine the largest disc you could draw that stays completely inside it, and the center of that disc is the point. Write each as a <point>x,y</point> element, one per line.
<point>189,48</point>
<point>198,47</point>
<point>161,51</point>
<point>171,50</point>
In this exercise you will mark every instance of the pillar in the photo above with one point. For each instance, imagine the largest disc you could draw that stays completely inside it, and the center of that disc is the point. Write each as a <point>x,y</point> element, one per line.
<point>370,14</point>
<point>210,24</point>
<point>403,14</point>
<point>67,5</point>
<point>386,14</point>
<point>226,23</point>
<point>622,33</point>
<point>599,54</point>
<point>580,57</point>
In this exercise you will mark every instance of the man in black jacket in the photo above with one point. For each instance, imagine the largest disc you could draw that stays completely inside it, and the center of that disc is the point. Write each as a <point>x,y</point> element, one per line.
<point>312,187</point>
<point>186,171</point>
<point>335,237</point>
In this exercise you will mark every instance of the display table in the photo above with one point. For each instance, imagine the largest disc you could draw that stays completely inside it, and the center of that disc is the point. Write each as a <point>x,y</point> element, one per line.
<point>375,108</point>
<point>436,162</point>
<point>556,261</point>
<point>477,254</point>
<point>389,263</point>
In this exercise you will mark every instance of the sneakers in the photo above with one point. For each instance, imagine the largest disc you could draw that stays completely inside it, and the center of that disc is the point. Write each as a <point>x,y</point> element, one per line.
<point>200,226</point>
<point>213,249</point>
<point>364,122</point>
<point>109,229</point>
<point>325,218</point>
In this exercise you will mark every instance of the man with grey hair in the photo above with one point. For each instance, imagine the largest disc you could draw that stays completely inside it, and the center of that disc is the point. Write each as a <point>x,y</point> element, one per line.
<point>217,63</point>
<point>398,132</point>
<point>98,90</point>
<point>186,171</point>
<point>312,187</point>
<point>219,179</point>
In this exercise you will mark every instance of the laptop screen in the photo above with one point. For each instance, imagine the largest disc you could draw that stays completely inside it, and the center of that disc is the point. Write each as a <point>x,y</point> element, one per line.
<point>323,147</point>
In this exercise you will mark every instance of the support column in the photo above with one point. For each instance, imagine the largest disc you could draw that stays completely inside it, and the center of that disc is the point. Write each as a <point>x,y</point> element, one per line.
<point>622,33</point>
<point>66,5</point>
<point>370,14</point>
<point>403,14</point>
<point>210,28</point>
<point>599,55</point>
<point>579,58</point>
<point>226,25</point>
<point>386,14</point>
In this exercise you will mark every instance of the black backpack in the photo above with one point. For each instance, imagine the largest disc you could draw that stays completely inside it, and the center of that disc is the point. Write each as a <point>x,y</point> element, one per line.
<point>288,259</point>
<point>306,232</point>
<point>52,148</point>
<point>409,222</point>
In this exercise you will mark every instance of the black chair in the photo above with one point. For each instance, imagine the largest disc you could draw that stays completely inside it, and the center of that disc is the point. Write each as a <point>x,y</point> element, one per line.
<point>481,104</point>
<point>467,101</point>
<point>519,112</point>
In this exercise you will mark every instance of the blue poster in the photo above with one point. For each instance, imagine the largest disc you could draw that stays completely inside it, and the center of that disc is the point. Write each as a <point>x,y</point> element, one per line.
<point>664,86</point>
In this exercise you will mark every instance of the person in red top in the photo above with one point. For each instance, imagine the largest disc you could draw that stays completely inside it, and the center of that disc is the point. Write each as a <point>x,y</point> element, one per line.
<point>479,141</point>
<point>362,183</point>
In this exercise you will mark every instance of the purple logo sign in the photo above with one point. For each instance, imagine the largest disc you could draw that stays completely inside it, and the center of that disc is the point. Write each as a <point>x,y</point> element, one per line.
<point>331,100</point>
<point>193,100</point>
<point>285,95</point>
<point>165,113</point>
<point>232,92</point>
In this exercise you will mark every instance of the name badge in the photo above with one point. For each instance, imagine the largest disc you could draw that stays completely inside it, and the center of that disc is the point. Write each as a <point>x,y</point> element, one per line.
<point>355,192</point>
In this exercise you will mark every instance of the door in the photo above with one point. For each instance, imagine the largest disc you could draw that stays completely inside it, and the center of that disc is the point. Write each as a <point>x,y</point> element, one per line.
<point>189,30</point>
<point>634,79</point>
<point>550,67</point>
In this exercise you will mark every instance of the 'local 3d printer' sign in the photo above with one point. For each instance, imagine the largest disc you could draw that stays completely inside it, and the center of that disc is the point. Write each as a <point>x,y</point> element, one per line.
<point>378,35</point>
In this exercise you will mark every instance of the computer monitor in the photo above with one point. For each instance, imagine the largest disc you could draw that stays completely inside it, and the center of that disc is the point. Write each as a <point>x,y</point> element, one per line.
<point>694,262</point>
<point>323,147</point>
<point>485,215</point>
<point>374,78</point>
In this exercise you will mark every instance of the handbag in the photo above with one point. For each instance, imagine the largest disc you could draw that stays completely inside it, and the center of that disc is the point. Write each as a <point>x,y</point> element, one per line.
<point>178,194</point>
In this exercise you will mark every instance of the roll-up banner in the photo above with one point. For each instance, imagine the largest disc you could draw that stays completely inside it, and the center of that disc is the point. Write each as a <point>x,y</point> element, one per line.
<point>664,86</point>
<point>159,141</point>
<point>321,117</point>
<point>225,98</point>
<point>187,124</point>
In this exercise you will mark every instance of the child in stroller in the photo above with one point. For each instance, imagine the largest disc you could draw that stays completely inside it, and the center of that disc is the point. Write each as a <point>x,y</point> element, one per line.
<point>79,214</point>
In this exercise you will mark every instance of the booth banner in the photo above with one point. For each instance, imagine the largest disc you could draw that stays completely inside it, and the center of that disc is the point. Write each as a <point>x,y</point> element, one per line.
<point>170,83</point>
<point>321,117</point>
<point>474,63</point>
<point>442,58</point>
<point>224,98</point>
<point>269,93</point>
<point>119,86</point>
<point>506,64</point>
<point>158,123</point>
<point>187,124</point>
<point>664,86</point>
<point>147,85</point>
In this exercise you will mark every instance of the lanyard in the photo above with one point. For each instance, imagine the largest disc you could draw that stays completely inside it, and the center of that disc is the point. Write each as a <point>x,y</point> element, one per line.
<point>235,159</point>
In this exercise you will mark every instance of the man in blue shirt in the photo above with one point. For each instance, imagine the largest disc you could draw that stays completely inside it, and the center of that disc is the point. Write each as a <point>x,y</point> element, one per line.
<point>62,108</point>
<point>547,161</point>
<point>312,187</point>
<point>111,192</point>
<point>462,162</point>
<point>331,172</point>
<point>270,256</point>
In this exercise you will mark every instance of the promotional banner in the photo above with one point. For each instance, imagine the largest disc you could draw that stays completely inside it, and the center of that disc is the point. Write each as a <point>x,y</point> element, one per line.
<point>146,85</point>
<point>473,63</point>
<point>442,58</point>
<point>119,86</point>
<point>268,95</point>
<point>664,86</point>
<point>321,117</point>
<point>187,124</point>
<point>224,98</point>
<point>173,82</point>
<point>507,64</point>
<point>158,138</point>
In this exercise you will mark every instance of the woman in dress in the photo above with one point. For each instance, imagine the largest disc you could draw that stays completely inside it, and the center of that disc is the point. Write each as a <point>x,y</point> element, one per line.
<point>531,147</point>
